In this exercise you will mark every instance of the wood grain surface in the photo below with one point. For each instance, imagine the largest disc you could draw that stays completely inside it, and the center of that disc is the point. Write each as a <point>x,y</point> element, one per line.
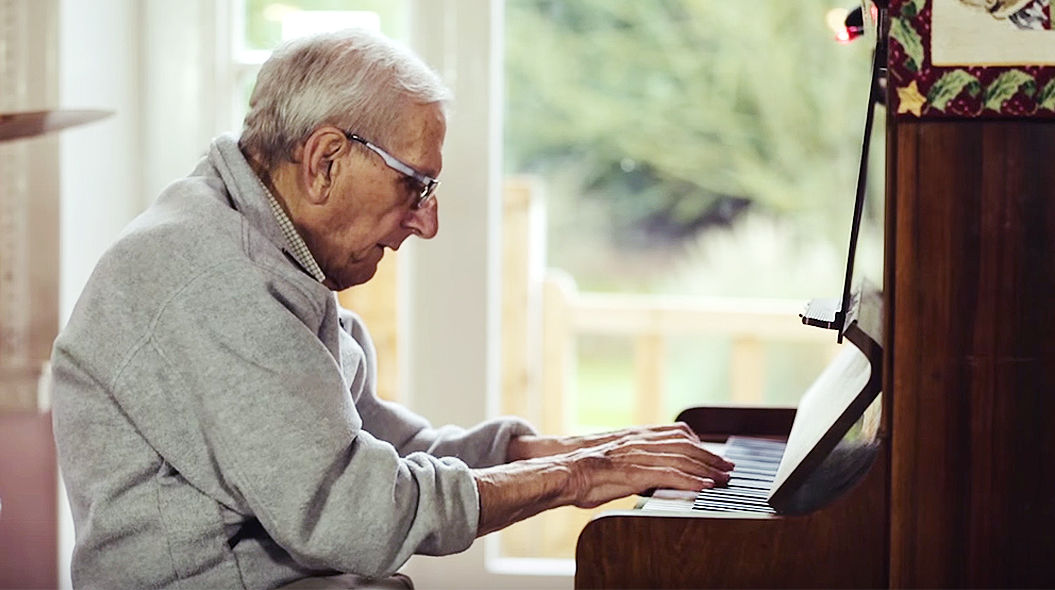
<point>971,233</point>
<point>842,545</point>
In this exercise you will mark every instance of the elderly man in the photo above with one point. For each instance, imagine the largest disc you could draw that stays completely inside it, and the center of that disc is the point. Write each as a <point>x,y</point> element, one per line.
<point>215,409</point>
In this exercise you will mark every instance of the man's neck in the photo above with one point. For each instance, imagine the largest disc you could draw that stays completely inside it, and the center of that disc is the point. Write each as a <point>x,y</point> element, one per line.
<point>277,181</point>
<point>280,182</point>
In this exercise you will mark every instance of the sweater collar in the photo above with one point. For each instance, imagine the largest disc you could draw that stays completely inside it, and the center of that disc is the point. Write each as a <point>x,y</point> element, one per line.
<point>251,198</point>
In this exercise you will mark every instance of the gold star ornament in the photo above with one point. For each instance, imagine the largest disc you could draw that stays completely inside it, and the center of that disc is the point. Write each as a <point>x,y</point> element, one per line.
<point>910,100</point>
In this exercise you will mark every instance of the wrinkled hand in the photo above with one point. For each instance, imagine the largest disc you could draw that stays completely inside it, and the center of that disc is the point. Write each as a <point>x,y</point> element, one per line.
<point>544,472</point>
<point>616,464</point>
<point>532,446</point>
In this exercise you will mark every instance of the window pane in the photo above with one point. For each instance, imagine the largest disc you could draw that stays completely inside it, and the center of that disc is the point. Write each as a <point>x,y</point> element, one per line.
<point>692,154</point>
<point>662,127</point>
<point>268,23</point>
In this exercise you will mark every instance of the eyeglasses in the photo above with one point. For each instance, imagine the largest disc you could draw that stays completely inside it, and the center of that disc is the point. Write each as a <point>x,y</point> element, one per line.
<point>428,183</point>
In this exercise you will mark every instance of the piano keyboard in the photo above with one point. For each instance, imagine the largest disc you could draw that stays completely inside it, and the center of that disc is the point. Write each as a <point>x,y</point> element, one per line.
<point>756,462</point>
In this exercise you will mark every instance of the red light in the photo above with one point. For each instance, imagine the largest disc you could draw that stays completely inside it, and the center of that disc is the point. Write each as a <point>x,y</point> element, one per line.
<point>843,36</point>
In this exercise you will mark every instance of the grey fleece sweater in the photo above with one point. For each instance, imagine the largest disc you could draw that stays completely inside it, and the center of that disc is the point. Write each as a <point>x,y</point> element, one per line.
<point>205,381</point>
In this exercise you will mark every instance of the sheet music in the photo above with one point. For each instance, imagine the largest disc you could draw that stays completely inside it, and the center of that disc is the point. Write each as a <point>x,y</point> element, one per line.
<point>757,476</point>
<point>841,382</point>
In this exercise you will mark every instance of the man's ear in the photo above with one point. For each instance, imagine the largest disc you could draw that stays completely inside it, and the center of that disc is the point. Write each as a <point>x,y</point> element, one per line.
<point>320,162</point>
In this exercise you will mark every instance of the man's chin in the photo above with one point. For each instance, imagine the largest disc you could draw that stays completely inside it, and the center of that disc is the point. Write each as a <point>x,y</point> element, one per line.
<point>352,277</point>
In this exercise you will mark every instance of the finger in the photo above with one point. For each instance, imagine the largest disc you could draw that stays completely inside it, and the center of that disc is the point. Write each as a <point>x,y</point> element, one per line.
<point>699,468</point>
<point>689,449</point>
<point>709,457</point>
<point>630,433</point>
<point>678,461</point>
<point>601,475</point>
<point>687,430</point>
<point>633,479</point>
<point>716,460</point>
<point>678,430</point>
<point>676,479</point>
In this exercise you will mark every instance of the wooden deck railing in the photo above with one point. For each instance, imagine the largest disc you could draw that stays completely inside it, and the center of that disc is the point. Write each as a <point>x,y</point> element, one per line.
<point>650,321</point>
<point>544,314</point>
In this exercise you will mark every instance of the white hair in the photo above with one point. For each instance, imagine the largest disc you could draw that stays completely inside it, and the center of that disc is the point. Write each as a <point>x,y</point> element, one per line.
<point>354,79</point>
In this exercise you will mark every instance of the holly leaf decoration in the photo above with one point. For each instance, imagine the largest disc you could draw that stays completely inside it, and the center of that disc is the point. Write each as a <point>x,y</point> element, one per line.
<point>949,86</point>
<point>903,33</point>
<point>1006,85</point>
<point>1046,99</point>
<point>912,7</point>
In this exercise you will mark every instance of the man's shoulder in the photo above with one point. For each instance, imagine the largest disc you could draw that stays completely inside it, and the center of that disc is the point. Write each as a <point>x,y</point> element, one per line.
<point>191,214</point>
<point>192,226</point>
<point>173,246</point>
<point>141,288</point>
<point>191,234</point>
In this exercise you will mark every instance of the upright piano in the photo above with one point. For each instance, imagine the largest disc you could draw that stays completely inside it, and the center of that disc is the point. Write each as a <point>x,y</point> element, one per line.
<point>961,489</point>
<point>825,504</point>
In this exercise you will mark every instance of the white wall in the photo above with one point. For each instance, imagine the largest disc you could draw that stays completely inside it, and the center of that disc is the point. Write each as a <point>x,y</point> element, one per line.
<point>101,168</point>
<point>100,165</point>
<point>186,82</point>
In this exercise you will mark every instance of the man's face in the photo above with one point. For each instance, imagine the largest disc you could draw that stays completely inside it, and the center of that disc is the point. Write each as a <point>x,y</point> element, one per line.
<point>372,206</point>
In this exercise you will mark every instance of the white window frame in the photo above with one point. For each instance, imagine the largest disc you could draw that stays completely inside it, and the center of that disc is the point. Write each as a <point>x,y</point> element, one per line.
<point>453,300</point>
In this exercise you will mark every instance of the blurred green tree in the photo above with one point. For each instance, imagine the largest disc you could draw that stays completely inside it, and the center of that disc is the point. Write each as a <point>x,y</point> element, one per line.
<point>658,119</point>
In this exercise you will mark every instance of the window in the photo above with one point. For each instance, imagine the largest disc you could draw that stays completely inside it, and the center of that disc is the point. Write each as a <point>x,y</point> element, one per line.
<point>697,161</point>
<point>684,159</point>
<point>261,25</point>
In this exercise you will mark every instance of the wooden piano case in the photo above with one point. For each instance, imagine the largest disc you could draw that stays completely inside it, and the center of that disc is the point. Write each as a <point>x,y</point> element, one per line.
<point>842,545</point>
<point>962,492</point>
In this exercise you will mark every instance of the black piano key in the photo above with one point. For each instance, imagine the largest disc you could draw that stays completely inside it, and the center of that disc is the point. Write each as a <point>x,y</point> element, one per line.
<point>736,491</point>
<point>754,464</point>
<point>756,454</point>
<point>731,507</point>
<point>761,491</point>
<point>733,493</point>
<point>741,482</point>
<point>757,462</point>
<point>757,473</point>
<point>754,461</point>
<point>740,498</point>
<point>742,442</point>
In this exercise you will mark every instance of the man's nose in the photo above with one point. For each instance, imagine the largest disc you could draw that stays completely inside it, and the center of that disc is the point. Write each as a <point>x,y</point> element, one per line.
<point>424,221</point>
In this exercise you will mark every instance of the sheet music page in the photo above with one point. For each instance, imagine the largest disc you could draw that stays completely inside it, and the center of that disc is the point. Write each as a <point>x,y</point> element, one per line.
<point>826,399</point>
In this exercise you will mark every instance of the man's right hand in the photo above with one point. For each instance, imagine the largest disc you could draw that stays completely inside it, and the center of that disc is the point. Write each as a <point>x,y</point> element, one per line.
<point>626,462</point>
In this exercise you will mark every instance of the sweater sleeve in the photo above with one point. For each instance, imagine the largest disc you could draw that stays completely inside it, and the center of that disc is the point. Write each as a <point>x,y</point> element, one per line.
<point>483,445</point>
<point>274,412</point>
